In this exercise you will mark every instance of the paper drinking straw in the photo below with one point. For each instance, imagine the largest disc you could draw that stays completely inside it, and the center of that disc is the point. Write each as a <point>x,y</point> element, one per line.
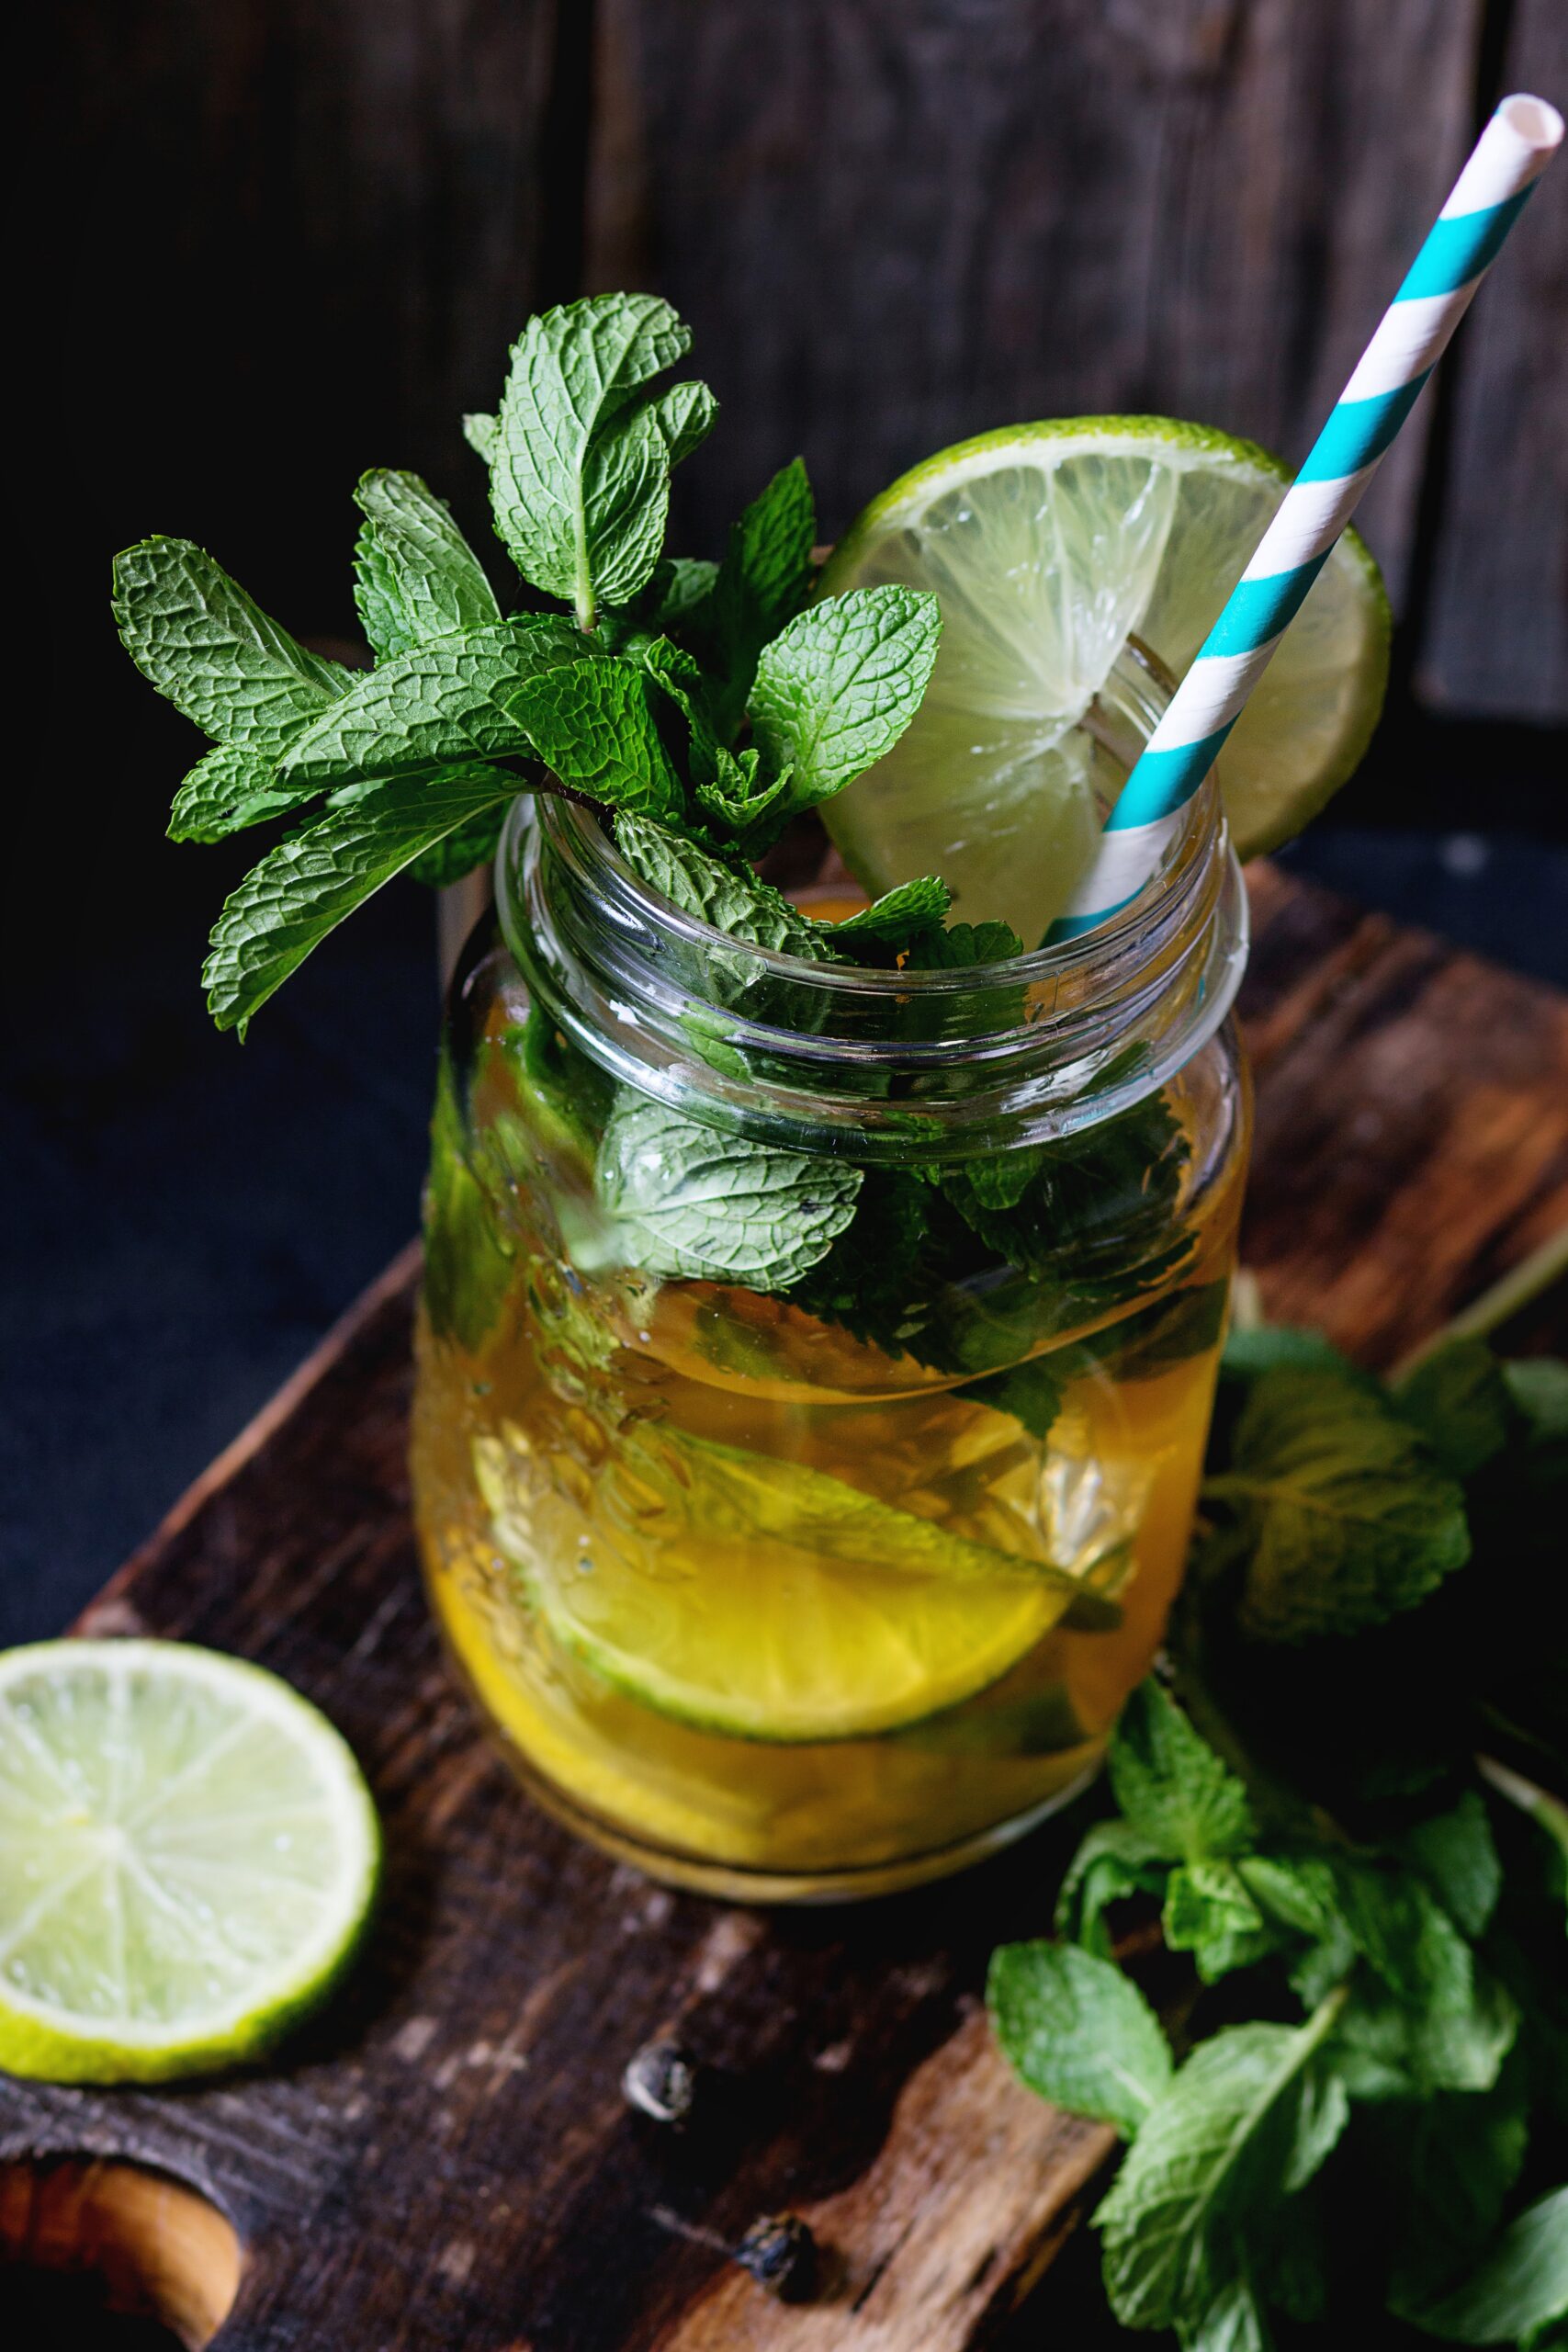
<point>1487,198</point>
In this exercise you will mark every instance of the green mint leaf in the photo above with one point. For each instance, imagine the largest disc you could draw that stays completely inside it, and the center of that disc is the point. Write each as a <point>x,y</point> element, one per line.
<point>702,1205</point>
<point>1460,1401</point>
<point>468,1268</point>
<point>684,415</point>
<point>1248,2119</point>
<point>1404,1934</point>
<point>453,699</point>
<point>305,887</point>
<point>1457,1855</point>
<point>897,921</point>
<point>592,725</point>
<point>1210,1913</point>
<point>195,635</point>
<point>1452,2161</point>
<point>480,432</point>
<point>1273,1347</point>
<point>472,844</point>
<point>1143,1346</point>
<point>702,885</point>
<point>1077,2033</point>
<point>838,687</point>
<point>438,582</point>
<point>874,1287</point>
<point>1172,1788</point>
<point>1114,1863</point>
<point>378,598</point>
<point>1388,2047</point>
<point>1520,2285</point>
<point>730,792</point>
<point>1233,2323</point>
<point>760,587</point>
<point>579,460</point>
<point>964,946</point>
<point>1031,1392</point>
<point>228,790</point>
<point>1335,1507</point>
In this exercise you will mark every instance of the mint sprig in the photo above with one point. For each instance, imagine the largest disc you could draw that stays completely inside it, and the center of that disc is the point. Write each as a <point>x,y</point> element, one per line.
<point>1406,1905</point>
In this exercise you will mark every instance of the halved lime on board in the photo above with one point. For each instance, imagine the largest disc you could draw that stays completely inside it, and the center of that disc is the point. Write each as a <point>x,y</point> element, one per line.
<point>1047,545</point>
<point>188,1855</point>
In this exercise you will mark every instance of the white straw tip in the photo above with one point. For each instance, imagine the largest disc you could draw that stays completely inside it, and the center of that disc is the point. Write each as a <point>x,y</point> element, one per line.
<point>1533,121</point>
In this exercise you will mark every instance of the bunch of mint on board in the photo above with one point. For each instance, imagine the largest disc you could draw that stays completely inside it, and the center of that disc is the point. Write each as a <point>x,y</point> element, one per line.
<point>1346,1817</point>
<point>707,703</point>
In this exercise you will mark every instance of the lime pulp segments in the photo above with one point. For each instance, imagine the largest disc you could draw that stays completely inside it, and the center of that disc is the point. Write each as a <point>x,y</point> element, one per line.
<point>188,1855</point>
<point>1047,545</point>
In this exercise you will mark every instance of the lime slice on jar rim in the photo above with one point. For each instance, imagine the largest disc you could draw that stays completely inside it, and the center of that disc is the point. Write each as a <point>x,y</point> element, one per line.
<point>188,1856</point>
<point>1047,547</point>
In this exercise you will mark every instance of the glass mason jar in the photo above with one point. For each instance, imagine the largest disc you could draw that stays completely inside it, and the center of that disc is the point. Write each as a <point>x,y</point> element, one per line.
<point>828,1578</point>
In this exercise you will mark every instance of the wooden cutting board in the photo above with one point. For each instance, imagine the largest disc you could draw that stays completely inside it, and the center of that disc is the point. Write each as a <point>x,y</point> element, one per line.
<point>446,2159</point>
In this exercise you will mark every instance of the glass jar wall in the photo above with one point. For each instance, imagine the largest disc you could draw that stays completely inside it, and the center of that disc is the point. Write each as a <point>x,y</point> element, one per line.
<point>816,1362</point>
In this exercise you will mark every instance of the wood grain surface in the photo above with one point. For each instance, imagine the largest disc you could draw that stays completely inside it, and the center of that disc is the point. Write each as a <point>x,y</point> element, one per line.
<point>895,222</point>
<point>445,2159</point>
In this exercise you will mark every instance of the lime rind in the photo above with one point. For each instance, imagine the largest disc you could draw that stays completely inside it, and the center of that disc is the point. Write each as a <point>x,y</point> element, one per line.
<point>122,1880</point>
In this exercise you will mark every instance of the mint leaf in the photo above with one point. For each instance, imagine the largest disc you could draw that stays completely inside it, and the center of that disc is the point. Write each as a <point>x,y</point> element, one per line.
<point>378,599</point>
<point>1031,1392</point>
<point>581,454</point>
<point>306,886</point>
<point>195,635</point>
<point>468,1268</point>
<point>701,885</point>
<point>422,560</point>
<point>684,414</point>
<point>1453,2159</point>
<point>1273,1347</point>
<point>454,698</point>
<point>1077,2033</point>
<point>761,585</point>
<point>1334,1507</point>
<point>591,724</point>
<point>1404,1933</point>
<point>1173,1788</point>
<point>228,790</point>
<point>838,687</point>
<point>1457,1855</point>
<point>472,844</point>
<point>480,432</point>
<point>1210,1913</point>
<point>1113,1863</point>
<point>962,947</point>
<point>1519,2286</point>
<point>703,1205</point>
<point>1459,1399</point>
<point>1248,2119</point>
<point>1233,2323</point>
<point>897,921</point>
<point>1388,2047</point>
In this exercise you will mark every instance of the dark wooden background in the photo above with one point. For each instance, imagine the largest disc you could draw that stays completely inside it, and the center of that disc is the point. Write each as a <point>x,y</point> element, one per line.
<point>257,245</point>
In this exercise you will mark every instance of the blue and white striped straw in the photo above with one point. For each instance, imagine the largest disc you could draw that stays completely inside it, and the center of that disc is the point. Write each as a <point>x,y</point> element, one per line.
<point>1488,196</point>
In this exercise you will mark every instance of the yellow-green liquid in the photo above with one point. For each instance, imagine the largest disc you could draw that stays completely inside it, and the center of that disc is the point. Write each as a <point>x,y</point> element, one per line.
<point>701,1662</point>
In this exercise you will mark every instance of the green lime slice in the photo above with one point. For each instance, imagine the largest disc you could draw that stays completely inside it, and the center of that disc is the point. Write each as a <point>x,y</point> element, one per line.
<point>187,1858</point>
<point>1047,546</point>
<point>766,1600</point>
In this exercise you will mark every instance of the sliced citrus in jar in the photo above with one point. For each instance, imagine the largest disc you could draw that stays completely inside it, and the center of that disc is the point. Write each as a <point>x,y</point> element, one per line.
<point>187,1858</point>
<point>766,1600</point>
<point>1047,546</point>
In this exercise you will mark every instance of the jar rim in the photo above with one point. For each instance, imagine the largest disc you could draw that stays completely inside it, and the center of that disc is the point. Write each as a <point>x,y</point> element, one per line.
<point>1022,1048</point>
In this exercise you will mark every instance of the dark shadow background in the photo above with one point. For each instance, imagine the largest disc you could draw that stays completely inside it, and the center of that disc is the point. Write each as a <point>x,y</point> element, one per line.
<point>262,246</point>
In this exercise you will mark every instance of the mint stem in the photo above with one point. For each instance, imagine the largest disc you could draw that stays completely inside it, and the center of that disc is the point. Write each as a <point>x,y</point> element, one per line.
<point>1511,1292</point>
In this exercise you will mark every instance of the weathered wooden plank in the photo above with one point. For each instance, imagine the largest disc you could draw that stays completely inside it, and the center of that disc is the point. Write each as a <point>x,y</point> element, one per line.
<point>444,2159</point>
<point>895,222</point>
<point>1495,642</point>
